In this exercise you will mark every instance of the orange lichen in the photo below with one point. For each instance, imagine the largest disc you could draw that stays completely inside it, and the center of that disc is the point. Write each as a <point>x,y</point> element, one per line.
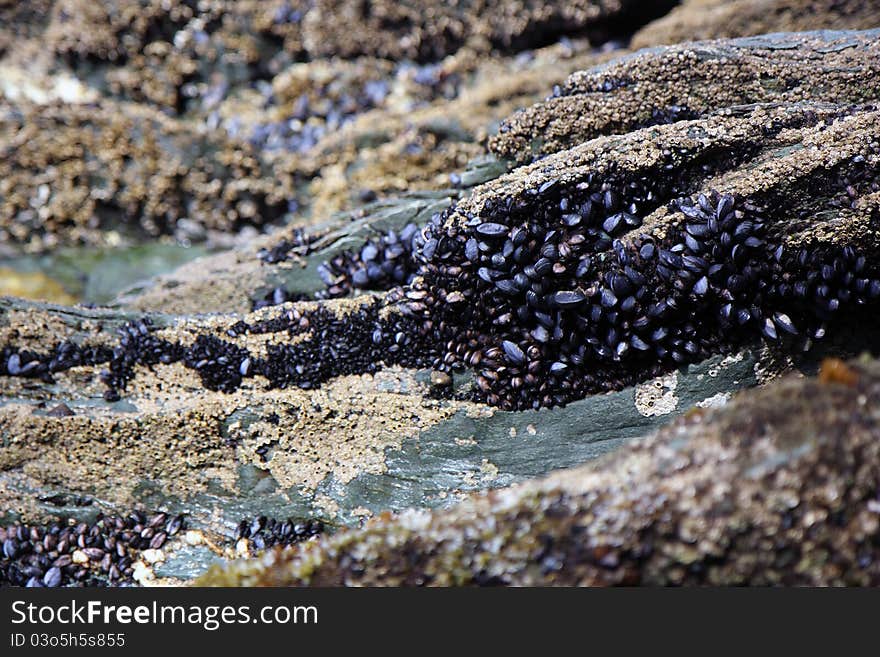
<point>834,370</point>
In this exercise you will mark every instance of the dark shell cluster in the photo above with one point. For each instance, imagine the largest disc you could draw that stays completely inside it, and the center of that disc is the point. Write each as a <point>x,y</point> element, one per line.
<point>548,307</point>
<point>136,345</point>
<point>549,295</point>
<point>547,300</point>
<point>81,554</point>
<point>361,342</point>
<point>382,263</point>
<point>30,364</point>
<point>299,242</point>
<point>263,532</point>
<point>335,103</point>
<point>309,120</point>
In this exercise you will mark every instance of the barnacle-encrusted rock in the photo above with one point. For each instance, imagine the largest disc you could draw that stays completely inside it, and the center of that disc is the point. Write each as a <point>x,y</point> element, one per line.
<point>285,265</point>
<point>778,487</point>
<point>669,252</point>
<point>596,267</point>
<point>174,54</point>
<point>428,30</point>
<point>608,260</point>
<point>691,80</point>
<point>697,20</point>
<point>75,172</point>
<point>18,19</point>
<point>331,132</point>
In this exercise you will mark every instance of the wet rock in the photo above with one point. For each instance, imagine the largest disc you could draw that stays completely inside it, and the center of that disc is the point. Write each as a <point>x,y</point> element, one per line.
<point>693,504</point>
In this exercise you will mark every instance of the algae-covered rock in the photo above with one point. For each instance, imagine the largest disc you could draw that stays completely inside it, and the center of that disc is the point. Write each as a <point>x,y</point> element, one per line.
<point>778,487</point>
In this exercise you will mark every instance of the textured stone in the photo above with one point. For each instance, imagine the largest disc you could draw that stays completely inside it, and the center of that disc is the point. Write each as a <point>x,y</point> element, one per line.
<point>697,20</point>
<point>690,80</point>
<point>777,487</point>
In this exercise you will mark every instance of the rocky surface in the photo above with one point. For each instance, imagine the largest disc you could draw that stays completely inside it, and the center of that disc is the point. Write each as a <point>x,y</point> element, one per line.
<point>361,443</point>
<point>176,113</point>
<point>424,30</point>
<point>386,317</point>
<point>689,81</point>
<point>697,20</point>
<point>138,164</point>
<point>779,487</point>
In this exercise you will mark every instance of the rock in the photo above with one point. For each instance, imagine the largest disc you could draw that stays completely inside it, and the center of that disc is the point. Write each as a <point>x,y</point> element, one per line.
<point>349,445</point>
<point>61,410</point>
<point>641,171</point>
<point>424,31</point>
<point>172,54</point>
<point>429,322</point>
<point>692,80</point>
<point>291,434</point>
<point>779,487</point>
<point>440,379</point>
<point>235,280</point>
<point>406,127</point>
<point>156,172</point>
<point>698,20</point>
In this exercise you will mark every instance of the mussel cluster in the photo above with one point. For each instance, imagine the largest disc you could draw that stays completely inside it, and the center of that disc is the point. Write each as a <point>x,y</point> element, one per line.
<point>78,554</point>
<point>299,242</point>
<point>263,532</point>
<point>30,364</point>
<point>382,263</point>
<point>549,296</point>
<point>548,301</point>
<point>137,345</point>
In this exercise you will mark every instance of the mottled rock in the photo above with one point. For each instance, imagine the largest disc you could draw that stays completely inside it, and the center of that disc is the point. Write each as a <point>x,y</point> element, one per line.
<point>150,120</point>
<point>359,444</point>
<point>142,173</point>
<point>428,31</point>
<point>331,133</point>
<point>691,80</point>
<point>697,20</point>
<point>779,487</point>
